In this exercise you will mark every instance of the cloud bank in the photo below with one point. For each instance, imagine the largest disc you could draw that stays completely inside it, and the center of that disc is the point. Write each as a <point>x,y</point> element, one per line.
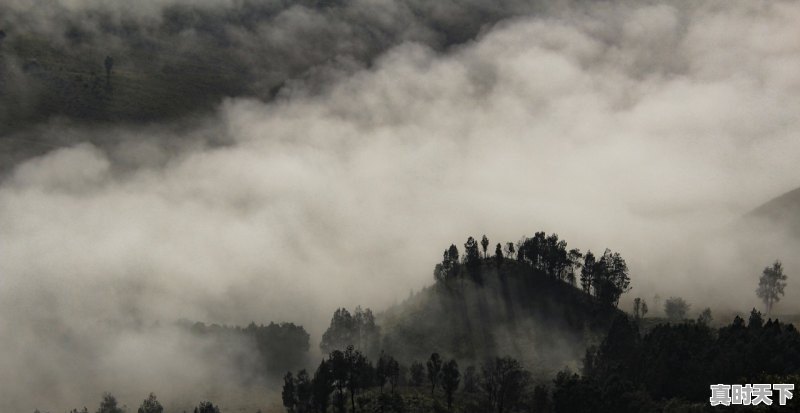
<point>649,128</point>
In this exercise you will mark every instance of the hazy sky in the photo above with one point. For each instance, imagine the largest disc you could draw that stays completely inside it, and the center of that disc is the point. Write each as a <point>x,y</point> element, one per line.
<point>645,127</point>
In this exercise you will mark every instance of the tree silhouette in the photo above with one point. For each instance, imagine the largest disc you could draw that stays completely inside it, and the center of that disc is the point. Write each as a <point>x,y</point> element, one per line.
<point>303,391</point>
<point>434,366</point>
<point>498,255</point>
<point>504,382</point>
<point>109,404</point>
<point>448,269</point>
<point>382,371</point>
<point>587,271</point>
<point>574,258</point>
<point>470,380</point>
<point>610,278</point>
<point>705,317</point>
<point>358,373</point>
<point>471,254</point>
<point>452,253</point>
<point>417,371</point>
<point>771,285</point>
<point>639,308</point>
<point>676,308</point>
<point>150,405</point>
<point>451,377</point>
<point>321,387</point>
<point>510,250</point>
<point>484,245</point>
<point>340,374</point>
<point>393,372</point>
<point>756,321</point>
<point>288,395</point>
<point>358,329</point>
<point>206,407</point>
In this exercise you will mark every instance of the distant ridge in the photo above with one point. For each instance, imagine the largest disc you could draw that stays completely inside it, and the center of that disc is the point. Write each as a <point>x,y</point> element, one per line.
<point>783,210</point>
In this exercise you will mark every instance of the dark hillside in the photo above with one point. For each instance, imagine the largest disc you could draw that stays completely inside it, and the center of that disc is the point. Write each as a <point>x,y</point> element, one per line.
<point>499,307</point>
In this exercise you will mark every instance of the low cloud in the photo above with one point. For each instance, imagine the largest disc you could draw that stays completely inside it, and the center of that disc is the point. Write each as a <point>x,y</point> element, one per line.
<point>647,128</point>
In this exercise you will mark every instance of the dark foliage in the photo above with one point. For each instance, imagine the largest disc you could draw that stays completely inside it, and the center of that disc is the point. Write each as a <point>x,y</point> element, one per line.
<point>206,407</point>
<point>109,404</point>
<point>477,302</point>
<point>358,330</point>
<point>279,346</point>
<point>674,364</point>
<point>151,405</point>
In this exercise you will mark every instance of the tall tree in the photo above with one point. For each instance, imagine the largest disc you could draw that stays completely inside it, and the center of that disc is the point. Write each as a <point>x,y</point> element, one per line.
<point>471,254</point>
<point>321,387</point>
<point>472,258</point>
<point>417,371</point>
<point>340,374</point>
<point>771,285</point>
<point>676,308</point>
<point>610,278</point>
<point>637,308</point>
<point>587,272</point>
<point>448,269</point>
<point>151,405</point>
<point>109,404</point>
<point>705,317</point>
<point>504,382</point>
<point>498,255</point>
<point>470,380</point>
<point>510,250</point>
<point>303,391</point>
<point>574,258</point>
<point>206,407</point>
<point>382,371</point>
<point>451,377</point>
<point>288,395</point>
<point>393,372</point>
<point>358,329</point>
<point>434,366</point>
<point>756,321</point>
<point>358,373</point>
<point>452,253</point>
<point>485,245</point>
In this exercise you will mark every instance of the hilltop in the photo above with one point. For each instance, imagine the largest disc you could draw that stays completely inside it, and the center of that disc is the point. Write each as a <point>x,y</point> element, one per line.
<point>528,304</point>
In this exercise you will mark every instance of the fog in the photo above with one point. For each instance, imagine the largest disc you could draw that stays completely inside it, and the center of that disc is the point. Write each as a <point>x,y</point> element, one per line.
<point>646,127</point>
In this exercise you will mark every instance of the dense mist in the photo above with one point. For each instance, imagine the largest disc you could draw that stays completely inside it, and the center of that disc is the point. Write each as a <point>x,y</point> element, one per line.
<point>366,137</point>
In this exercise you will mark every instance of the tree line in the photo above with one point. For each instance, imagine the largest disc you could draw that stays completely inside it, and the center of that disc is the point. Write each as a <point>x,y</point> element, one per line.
<point>348,381</point>
<point>673,365</point>
<point>605,277</point>
<point>109,404</point>
<point>279,346</point>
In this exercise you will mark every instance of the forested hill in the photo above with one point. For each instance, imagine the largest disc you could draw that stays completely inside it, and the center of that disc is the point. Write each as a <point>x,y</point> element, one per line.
<point>534,300</point>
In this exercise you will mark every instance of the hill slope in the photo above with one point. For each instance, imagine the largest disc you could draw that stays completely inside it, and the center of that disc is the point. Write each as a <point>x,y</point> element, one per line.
<point>783,211</point>
<point>512,310</point>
